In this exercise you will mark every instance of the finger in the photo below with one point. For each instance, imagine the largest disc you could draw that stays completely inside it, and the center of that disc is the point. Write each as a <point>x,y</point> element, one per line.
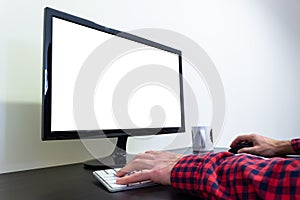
<point>151,152</point>
<point>140,161</point>
<point>250,150</point>
<point>143,175</point>
<point>135,164</point>
<point>240,139</point>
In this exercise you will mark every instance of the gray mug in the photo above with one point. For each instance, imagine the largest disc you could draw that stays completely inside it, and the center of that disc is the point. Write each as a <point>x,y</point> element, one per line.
<point>202,138</point>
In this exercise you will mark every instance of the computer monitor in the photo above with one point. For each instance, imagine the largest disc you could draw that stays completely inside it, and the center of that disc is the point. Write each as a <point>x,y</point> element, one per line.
<point>100,82</point>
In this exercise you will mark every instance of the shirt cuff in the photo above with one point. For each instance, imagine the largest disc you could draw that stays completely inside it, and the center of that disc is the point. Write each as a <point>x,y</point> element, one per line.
<point>296,145</point>
<point>195,172</point>
<point>182,174</point>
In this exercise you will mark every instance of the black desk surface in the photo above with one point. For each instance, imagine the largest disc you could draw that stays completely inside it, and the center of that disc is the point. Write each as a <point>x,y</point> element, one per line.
<point>73,182</point>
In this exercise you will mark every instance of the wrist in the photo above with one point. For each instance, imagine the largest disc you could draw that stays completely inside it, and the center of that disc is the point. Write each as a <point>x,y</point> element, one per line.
<point>284,148</point>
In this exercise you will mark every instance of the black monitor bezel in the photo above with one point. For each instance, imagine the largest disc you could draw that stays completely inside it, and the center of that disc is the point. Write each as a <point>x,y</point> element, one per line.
<point>47,134</point>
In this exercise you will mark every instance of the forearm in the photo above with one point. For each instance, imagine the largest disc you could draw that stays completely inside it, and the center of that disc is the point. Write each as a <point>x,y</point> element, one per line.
<point>197,174</point>
<point>228,176</point>
<point>288,147</point>
<point>284,148</point>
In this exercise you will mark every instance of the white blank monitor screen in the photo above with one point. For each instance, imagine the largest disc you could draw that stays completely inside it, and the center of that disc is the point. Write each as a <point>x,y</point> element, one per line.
<point>74,45</point>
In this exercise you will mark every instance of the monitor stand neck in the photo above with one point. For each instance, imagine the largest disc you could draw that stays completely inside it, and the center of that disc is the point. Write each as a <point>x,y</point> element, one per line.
<point>117,159</point>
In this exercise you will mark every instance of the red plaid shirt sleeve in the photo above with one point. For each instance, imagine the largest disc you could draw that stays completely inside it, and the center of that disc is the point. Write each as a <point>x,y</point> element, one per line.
<point>241,176</point>
<point>296,145</point>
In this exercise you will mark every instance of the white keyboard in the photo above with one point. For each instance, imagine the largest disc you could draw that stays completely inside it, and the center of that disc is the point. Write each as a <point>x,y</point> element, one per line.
<point>108,178</point>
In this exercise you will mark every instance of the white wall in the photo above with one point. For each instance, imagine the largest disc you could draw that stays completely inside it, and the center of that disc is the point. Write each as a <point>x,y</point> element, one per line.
<point>254,44</point>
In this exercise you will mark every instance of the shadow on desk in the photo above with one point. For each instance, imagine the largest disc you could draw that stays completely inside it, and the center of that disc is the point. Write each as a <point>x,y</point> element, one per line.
<point>76,183</point>
<point>150,193</point>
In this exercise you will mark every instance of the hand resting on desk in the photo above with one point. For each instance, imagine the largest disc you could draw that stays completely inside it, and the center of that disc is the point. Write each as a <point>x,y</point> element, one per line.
<point>264,146</point>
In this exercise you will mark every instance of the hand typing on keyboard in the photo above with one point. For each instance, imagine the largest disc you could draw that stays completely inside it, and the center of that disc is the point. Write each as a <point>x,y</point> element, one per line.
<point>155,166</point>
<point>108,179</point>
<point>144,170</point>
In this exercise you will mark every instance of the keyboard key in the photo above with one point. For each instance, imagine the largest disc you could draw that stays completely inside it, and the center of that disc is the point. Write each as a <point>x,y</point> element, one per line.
<point>110,171</point>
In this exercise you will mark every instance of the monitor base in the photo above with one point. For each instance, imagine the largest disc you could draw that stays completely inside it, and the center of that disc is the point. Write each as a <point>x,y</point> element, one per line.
<point>117,159</point>
<point>111,161</point>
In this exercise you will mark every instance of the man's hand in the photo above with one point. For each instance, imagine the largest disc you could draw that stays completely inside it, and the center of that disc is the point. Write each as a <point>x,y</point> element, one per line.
<point>151,165</point>
<point>264,146</point>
